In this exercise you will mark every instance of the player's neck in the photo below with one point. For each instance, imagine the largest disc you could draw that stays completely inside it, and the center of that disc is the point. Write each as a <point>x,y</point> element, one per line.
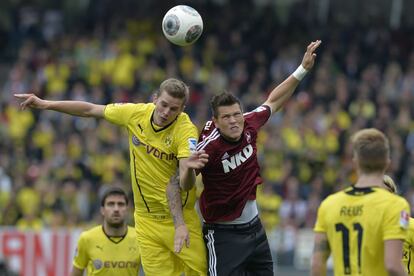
<point>369,180</point>
<point>115,231</point>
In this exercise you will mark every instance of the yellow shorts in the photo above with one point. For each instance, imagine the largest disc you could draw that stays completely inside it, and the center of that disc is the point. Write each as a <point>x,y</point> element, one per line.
<point>156,243</point>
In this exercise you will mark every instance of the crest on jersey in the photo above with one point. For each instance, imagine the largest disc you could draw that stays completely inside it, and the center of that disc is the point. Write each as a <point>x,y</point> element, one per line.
<point>135,140</point>
<point>192,144</point>
<point>168,141</point>
<point>404,219</point>
<point>97,264</point>
<point>248,137</point>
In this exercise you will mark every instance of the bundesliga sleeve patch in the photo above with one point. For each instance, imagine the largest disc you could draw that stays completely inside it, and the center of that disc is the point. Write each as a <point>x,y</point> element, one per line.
<point>404,219</point>
<point>192,144</point>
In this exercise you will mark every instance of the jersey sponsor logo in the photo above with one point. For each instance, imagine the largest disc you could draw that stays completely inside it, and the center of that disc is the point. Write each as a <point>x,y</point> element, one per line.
<point>236,160</point>
<point>120,264</point>
<point>192,144</point>
<point>97,264</point>
<point>159,154</point>
<point>404,219</point>
<point>154,151</point>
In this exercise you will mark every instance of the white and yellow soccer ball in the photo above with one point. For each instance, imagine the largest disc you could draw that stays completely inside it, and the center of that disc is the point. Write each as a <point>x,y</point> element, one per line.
<point>182,25</point>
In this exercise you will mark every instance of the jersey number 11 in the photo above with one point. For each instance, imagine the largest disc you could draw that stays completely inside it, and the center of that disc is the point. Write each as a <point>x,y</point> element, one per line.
<point>340,227</point>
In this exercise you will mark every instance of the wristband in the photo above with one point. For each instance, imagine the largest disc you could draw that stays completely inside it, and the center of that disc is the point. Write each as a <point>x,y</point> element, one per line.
<point>299,73</point>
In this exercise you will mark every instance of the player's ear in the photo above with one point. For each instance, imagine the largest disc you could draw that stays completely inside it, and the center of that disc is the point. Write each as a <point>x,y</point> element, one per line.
<point>182,108</point>
<point>102,210</point>
<point>388,163</point>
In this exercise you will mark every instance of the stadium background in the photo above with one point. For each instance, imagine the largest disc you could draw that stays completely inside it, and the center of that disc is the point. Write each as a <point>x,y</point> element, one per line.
<point>53,167</point>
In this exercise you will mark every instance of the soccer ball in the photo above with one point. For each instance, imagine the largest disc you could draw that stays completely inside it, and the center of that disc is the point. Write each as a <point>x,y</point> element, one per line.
<point>182,25</point>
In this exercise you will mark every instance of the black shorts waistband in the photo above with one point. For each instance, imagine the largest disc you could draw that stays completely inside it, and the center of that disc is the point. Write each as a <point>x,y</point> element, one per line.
<point>246,225</point>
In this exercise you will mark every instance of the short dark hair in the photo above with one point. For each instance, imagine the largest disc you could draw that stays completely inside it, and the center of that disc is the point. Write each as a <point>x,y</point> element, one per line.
<point>223,99</point>
<point>113,191</point>
<point>175,88</point>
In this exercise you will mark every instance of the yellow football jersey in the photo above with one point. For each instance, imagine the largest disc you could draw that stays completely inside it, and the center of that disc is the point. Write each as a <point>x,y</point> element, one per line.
<point>104,255</point>
<point>409,249</point>
<point>357,221</point>
<point>154,154</point>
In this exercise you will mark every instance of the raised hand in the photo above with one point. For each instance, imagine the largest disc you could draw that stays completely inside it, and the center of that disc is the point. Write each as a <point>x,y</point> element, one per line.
<point>197,160</point>
<point>31,100</point>
<point>309,57</point>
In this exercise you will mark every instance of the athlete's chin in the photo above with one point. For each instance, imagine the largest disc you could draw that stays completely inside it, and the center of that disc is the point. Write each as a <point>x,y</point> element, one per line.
<point>118,223</point>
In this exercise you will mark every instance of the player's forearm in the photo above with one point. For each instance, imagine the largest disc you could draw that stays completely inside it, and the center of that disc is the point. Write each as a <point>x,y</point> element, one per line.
<point>76,108</point>
<point>187,179</point>
<point>318,269</point>
<point>281,93</point>
<point>174,201</point>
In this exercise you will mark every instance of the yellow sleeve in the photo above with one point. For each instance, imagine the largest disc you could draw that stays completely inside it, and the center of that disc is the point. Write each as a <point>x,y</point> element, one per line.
<point>187,142</point>
<point>396,220</point>
<point>120,113</point>
<point>81,258</point>
<point>320,225</point>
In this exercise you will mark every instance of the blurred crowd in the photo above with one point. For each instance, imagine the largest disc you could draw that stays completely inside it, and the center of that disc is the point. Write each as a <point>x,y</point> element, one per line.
<point>53,166</point>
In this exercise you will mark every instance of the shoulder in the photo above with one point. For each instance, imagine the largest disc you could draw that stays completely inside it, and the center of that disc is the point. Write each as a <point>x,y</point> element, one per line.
<point>91,234</point>
<point>335,196</point>
<point>131,232</point>
<point>208,135</point>
<point>184,120</point>
<point>128,107</point>
<point>392,199</point>
<point>93,231</point>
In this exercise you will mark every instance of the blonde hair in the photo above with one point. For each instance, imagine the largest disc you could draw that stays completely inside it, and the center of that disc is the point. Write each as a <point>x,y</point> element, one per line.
<point>372,150</point>
<point>390,184</point>
<point>175,88</point>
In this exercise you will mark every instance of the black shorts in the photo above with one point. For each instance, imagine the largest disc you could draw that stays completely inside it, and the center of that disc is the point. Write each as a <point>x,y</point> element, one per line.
<point>237,249</point>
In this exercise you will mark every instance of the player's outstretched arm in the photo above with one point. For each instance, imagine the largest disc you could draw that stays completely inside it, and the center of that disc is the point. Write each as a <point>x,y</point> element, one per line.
<point>393,250</point>
<point>181,236</point>
<point>320,254</point>
<point>197,160</point>
<point>76,108</point>
<point>279,96</point>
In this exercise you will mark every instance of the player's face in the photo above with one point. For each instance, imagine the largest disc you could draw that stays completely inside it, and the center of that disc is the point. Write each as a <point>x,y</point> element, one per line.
<point>167,108</point>
<point>230,121</point>
<point>115,210</point>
